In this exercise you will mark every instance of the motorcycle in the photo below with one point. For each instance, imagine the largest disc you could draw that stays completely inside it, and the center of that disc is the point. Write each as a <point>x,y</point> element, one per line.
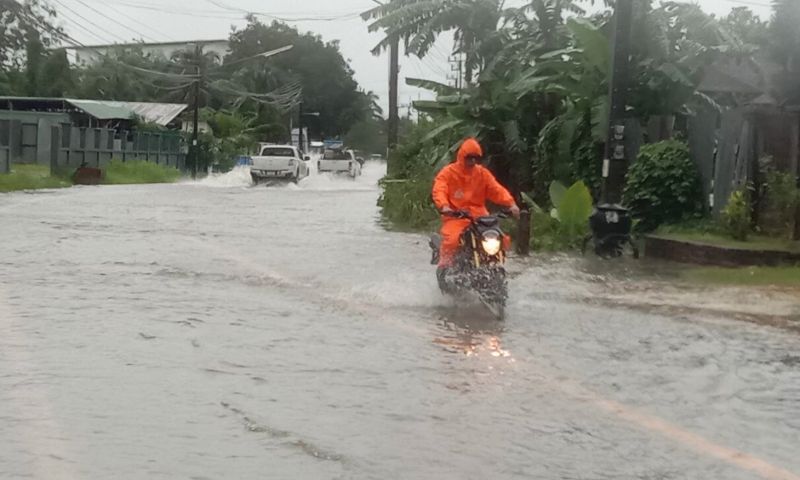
<point>478,266</point>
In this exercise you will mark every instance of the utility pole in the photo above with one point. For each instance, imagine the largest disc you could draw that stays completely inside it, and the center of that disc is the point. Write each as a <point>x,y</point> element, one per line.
<point>611,222</point>
<point>394,74</point>
<point>196,114</point>
<point>615,162</point>
<point>300,125</point>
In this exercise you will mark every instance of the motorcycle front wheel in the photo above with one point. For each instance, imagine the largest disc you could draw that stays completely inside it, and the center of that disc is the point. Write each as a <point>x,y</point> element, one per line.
<point>493,293</point>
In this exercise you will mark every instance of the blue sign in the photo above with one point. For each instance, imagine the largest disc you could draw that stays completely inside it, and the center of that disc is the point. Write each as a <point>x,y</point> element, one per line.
<point>333,144</point>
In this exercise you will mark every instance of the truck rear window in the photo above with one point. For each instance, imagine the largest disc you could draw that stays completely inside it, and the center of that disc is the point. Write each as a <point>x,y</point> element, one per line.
<point>336,155</point>
<point>277,152</point>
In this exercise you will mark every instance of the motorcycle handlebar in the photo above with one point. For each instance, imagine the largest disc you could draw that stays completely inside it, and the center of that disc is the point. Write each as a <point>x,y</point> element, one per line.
<point>505,213</point>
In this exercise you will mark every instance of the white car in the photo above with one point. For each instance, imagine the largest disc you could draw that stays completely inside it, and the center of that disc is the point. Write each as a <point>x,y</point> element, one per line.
<point>279,162</point>
<point>339,161</point>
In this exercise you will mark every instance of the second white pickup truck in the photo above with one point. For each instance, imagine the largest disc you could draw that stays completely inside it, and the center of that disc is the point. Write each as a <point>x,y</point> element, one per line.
<point>279,162</point>
<point>339,161</point>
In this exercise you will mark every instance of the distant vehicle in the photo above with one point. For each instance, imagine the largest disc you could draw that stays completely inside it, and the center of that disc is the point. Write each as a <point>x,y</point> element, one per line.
<point>244,161</point>
<point>376,157</point>
<point>316,148</point>
<point>279,162</point>
<point>333,144</point>
<point>339,161</point>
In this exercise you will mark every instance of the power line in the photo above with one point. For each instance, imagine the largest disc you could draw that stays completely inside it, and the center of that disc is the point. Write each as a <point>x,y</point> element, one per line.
<point>195,13</point>
<point>141,35</point>
<point>750,3</point>
<point>142,24</point>
<point>58,2</point>
<point>82,27</point>
<point>78,44</point>
<point>218,3</point>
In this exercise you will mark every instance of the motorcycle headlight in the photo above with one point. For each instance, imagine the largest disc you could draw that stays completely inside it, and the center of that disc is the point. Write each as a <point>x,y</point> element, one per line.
<point>491,243</point>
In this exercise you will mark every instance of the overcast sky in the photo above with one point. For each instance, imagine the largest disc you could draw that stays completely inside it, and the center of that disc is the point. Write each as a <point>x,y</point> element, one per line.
<point>108,21</point>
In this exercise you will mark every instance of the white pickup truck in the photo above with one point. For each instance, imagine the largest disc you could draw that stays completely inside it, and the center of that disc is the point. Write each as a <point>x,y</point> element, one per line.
<point>279,162</point>
<point>339,161</point>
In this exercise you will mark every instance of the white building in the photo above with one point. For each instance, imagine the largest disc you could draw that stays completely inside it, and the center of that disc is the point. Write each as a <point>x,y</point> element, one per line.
<point>91,54</point>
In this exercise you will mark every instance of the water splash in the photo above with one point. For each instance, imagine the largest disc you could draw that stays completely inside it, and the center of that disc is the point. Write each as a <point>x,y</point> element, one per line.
<point>238,177</point>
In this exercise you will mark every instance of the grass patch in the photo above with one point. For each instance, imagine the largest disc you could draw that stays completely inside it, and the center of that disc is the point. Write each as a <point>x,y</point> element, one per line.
<point>407,206</point>
<point>753,242</point>
<point>758,276</point>
<point>138,172</point>
<point>30,177</point>
<point>708,233</point>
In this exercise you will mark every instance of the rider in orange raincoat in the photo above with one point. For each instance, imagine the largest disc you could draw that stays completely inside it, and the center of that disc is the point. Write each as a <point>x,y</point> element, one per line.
<point>466,185</point>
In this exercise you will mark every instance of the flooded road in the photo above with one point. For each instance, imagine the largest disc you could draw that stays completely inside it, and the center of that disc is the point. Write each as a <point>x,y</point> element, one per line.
<point>211,330</point>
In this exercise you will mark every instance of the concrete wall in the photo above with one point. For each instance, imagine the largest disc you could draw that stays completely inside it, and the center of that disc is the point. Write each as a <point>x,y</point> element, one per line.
<point>91,56</point>
<point>71,147</point>
<point>30,135</point>
<point>5,151</point>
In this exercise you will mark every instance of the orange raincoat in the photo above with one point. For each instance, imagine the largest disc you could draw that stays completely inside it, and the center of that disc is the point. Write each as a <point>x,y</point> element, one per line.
<point>461,187</point>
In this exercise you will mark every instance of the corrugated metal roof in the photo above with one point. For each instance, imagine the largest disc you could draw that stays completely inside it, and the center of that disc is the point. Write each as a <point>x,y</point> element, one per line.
<point>159,113</point>
<point>103,110</point>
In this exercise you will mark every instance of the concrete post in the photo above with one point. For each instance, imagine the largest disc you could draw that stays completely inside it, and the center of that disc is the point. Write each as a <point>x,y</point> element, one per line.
<point>55,148</point>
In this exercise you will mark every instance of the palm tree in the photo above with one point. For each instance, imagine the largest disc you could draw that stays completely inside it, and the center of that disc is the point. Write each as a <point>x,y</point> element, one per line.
<point>195,65</point>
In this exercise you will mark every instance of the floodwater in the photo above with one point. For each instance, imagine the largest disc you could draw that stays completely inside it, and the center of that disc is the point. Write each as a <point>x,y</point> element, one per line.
<point>212,330</point>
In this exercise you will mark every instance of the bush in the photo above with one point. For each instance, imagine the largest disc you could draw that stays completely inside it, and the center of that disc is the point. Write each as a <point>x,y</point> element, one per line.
<point>123,173</point>
<point>663,186</point>
<point>30,177</point>
<point>781,202</point>
<point>736,217</point>
<point>565,226</point>
<point>407,204</point>
<point>406,199</point>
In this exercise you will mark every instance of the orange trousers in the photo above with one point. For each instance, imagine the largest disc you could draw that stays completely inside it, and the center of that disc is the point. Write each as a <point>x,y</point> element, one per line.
<point>451,231</point>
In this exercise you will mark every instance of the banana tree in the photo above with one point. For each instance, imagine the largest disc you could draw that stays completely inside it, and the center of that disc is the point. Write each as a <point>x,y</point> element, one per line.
<point>420,22</point>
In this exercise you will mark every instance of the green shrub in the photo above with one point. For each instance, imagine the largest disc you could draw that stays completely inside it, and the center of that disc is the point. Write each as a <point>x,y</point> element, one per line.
<point>571,207</point>
<point>567,223</point>
<point>737,216</point>
<point>781,201</point>
<point>663,186</point>
<point>123,173</point>
<point>30,177</point>
<point>407,204</point>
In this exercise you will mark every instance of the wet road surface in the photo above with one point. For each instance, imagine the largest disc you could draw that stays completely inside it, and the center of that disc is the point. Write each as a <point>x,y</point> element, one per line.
<point>212,331</point>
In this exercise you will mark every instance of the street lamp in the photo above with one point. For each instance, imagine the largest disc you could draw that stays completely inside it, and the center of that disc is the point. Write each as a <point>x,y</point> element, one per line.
<point>304,114</point>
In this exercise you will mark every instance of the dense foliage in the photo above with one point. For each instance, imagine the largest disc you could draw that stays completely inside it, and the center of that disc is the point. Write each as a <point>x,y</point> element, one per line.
<point>539,100</point>
<point>663,185</point>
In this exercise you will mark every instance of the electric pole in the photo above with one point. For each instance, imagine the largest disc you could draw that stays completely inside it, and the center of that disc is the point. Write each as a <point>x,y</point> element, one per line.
<point>394,74</point>
<point>611,222</point>
<point>196,113</point>
<point>615,163</point>
<point>300,126</point>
